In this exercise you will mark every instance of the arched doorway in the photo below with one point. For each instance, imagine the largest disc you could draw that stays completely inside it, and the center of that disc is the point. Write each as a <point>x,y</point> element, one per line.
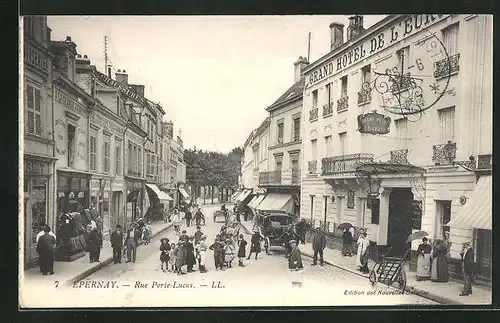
<point>400,211</point>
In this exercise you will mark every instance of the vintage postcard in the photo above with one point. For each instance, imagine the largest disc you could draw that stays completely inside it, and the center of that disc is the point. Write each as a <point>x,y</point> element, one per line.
<point>246,161</point>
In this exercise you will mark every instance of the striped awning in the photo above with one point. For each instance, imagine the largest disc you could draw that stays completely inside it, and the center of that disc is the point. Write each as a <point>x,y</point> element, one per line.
<point>476,213</point>
<point>256,201</point>
<point>235,195</point>
<point>243,195</point>
<point>277,202</point>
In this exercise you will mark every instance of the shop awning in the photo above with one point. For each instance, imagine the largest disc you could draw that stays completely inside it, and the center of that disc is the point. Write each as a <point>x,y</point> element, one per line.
<point>243,195</point>
<point>162,196</point>
<point>184,193</point>
<point>277,202</point>
<point>235,195</point>
<point>476,213</point>
<point>256,201</point>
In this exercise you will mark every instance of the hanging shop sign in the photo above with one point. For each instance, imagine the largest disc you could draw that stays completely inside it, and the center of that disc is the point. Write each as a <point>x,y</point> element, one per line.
<point>131,185</point>
<point>374,123</point>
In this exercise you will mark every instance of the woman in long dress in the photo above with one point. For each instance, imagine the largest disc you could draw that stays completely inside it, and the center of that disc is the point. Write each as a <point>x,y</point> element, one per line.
<point>360,247</point>
<point>424,260</point>
<point>439,271</point>
<point>364,254</point>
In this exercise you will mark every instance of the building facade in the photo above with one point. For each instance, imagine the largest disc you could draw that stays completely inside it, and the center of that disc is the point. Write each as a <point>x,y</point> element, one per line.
<point>403,107</point>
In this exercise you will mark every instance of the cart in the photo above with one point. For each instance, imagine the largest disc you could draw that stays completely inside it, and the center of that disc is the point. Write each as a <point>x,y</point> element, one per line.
<point>273,228</point>
<point>219,214</point>
<point>390,271</point>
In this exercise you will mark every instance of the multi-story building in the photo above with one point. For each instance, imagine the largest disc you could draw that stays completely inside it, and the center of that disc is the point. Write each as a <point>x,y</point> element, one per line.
<point>38,133</point>
<point>412,105</point>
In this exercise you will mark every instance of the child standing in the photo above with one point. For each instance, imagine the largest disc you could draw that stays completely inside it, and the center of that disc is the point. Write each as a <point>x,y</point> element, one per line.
<point>172,255</point>
<point>229,252</point>
<point>164,256</point>
<point>218,249</point>
<point>201,249</point>
<point>241,250</point>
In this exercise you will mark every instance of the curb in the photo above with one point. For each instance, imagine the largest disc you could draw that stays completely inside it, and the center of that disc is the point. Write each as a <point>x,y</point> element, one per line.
<point>411,289</point>
<point>107,261</point>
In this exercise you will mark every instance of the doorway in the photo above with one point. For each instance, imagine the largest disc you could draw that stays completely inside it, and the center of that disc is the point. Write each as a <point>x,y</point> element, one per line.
<point>116,217</point>
<point>399,228</point>
<point>484,253</point>
<point>443,213</point>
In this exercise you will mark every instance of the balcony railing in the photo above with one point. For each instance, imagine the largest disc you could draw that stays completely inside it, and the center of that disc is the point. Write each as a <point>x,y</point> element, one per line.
<point>343,104</point>
<point>295,176</point>
<point>447,66</point>
<point>399,156</point>
<point>401,83</point>
<point>328,109</point>
<point>364,96</point>
<point>313,114</point>
<point>444,154</point>
<point>312,166</point>
<point>270,178</point>
<point>344,164</point>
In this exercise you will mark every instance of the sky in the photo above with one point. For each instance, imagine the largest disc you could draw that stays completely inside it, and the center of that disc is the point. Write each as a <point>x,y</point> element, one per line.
<point>213,75</point>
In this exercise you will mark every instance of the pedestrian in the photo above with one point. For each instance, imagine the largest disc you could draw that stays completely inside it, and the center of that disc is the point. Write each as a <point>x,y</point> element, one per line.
<point>241,250</point>
<point>177,220</point>
<point>295,263</point>
<point>188,216</point>
<point>45,248</point>
<point>218,249</point>
<point>238,215</point>
<point>255,244</point>
<point>447,244</point>
<point>424,260</point>
<point>190,256</point>
<point>360,246</point>
<point>197,235</point>
<point>180,263</point>
<point>94,244</point>
<point>42,232</point>
<point>198,216</point>
<point>117,244</point>
<point>223,234</point>
<point>147,233</point>
<point>467,255</point>
<point>347,243</point>
<point>183,236</point>
<point>164,255</point>
<point>301,230</point>
<point>439,269</point>
<point>131,243</point>
<point>172,258</point>
<point>201,250</point>
<point>364,253</point>
<point>229,253</point>
<point>318,244</point>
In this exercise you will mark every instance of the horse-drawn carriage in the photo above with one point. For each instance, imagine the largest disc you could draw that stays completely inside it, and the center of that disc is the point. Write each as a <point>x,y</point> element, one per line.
<point>277,229</point>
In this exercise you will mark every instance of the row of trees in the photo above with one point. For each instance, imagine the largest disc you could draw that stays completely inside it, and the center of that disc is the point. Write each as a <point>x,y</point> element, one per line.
<point>208,168</point>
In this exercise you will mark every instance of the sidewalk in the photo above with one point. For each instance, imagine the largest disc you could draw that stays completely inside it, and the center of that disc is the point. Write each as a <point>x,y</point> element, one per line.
<point>69,272</point>
<point>444,293</point>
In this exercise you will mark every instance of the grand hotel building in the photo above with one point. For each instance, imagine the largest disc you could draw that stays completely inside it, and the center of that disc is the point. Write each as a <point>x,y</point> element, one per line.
<point>403,108</point>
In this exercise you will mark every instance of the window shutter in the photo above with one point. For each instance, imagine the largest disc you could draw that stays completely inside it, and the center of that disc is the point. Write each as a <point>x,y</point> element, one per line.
<point>38,124</point>
<point>450,39</point>
<point>447,125</point>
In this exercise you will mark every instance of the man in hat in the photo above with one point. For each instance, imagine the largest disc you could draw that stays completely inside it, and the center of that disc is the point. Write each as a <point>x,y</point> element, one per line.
<point>467,256</point>
<point>318,244</point>
<point>117,244</point>
<point>295,259</point>
<point>131,243</point>
<point>183,236</point>
<point>197,235</point>
<point>46,246</point>
<point>255,244</point>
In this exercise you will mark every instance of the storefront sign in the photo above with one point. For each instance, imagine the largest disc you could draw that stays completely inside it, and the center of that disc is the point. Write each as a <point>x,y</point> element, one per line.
<point>399,30</point>
<point>122,87</point>
<point>36,167</point>
<point>70,103</point>
<point>484,162</point>
<point>373,123</point>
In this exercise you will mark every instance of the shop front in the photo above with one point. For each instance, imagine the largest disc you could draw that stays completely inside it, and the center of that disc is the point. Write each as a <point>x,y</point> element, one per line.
<point>38,183</point>
<point>117,203</point>
<point>135,199</point>
<point>158,200</point>
<point>100,198</point>
<point>171,190</point>
<point>184,196</point>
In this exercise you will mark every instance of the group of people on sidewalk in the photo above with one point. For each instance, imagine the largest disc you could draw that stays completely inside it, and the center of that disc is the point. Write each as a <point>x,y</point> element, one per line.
<point>138,231</point>
<point>180,257</point>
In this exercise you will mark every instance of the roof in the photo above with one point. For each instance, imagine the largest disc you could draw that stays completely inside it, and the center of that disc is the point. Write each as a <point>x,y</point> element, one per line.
<point>294,92</point>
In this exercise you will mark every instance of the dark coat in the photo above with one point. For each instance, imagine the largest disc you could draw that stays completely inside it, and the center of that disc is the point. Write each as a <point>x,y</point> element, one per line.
<point>181,256</point>
<point>217,247</point>
<point>319,241</point>
<point>468,261</point>
<point>424,248</point>
<point>190,258</point>
<point>94,240</point>
<point>242,248</point>
<point>347,237</point>
<point>197,236</point>
<point>255,243</point>
<point>295,259</point>
<point>137,234</point>
<point>46,244</point>
<point>164,248</point>
<point>116,239</point>
<point>188,215</point>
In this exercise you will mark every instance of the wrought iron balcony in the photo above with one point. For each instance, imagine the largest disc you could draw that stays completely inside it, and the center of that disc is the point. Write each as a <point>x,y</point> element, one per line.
<point>328,109</point>
<point>312,166</point>
<point>344,164</point>
<point>447,66</point>
<point>401,83</point>
<point>444,154</point>
<point>270,178</point>
<point>343,104</point>
<point>399,156</point>
<point>364,96</point>
<point>313,114</point>
<point>295,176</point>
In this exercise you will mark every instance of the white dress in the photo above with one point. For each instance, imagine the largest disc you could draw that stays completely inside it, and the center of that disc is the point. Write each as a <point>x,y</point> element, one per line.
<point>360,251</point>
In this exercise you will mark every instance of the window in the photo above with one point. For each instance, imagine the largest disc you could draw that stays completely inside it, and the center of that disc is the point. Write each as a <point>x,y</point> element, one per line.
<point>328,146</point>
<point>374,205</point>
<point>279,165</point>
<point>136,169</point>
<point>148,163</point>
<point>107,155</point>
<point>256,159</point>
<point>340,209</point>
<point>296,129</point>
<point>450,39</point>
<point>130,158</point>
<point>153,165</point>
<point>93,149</point>
<point>328,93</point>
<point>343,87</point>
<point>314,149</point>
<point>403,59</point>
<point>365,75</point>
<point>33,104</point>
<point>343,142</point>
<point>280,131</point>
<point>139,161</point>
<point>71,145</point>
<point>401,132</point>
<point>447,125</point>
<point>118,157</point>
<point>315,99</point>
<point>325,211</point>
<point>312,206</point>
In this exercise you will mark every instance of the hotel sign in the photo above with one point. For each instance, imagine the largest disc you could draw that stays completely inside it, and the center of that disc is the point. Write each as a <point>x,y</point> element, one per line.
<point>374,123</point>
<point>399,30</point>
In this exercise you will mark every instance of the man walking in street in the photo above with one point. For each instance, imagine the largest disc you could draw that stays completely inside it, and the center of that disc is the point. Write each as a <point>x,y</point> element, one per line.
<point>188,216</point>
<point>318,244</point>
<point>295,264</point>
<point>197,235</point>
<point>131,243</point>
<point>117,244</point>
<point>467,256</point>
<point>198,216</point>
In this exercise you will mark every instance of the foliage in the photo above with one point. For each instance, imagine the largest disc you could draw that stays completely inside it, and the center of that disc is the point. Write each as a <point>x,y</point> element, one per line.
<point>212,168</point>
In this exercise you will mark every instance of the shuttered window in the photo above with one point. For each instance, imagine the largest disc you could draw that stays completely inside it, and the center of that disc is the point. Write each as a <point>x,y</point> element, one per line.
<point>33,104</point>
<point>450,39</point>
<point>447,125</point>
<point>401,132</point>
<point>343,142</point>
<point>107,155</point>
<point>93,149</point>
<point>296,129</point>
<point>118,158</point>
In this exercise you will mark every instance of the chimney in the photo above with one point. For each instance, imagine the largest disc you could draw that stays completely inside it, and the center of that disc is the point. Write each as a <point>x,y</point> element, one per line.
<point>109,71</point>
<point>355,26</point>
<point>68,39</point>
<point>300,64</point>
<point>121,76</point>
<point>336,35</point>
<point>82,60</point>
